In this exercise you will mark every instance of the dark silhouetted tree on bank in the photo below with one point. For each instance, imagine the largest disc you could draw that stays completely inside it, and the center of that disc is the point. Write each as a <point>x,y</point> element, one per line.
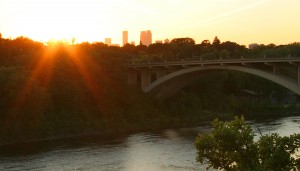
<point>216,42</point>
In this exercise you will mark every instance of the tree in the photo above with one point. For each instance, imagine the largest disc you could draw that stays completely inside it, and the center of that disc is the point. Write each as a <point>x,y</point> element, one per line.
<point>216,42</point>
<point>224,54</point>
<point>231,146</point>
<point>235,49</point>
<point>73,40</point>
<point>182,47</point>
<point>186,40</point>
<point>205,43</point>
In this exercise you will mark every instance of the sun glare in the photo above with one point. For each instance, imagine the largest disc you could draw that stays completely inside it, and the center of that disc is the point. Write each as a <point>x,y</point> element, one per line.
<point>57,20</point>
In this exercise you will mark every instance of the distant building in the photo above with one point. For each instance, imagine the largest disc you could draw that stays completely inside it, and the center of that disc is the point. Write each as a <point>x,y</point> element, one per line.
<point>125,37</point>
<point>107,41</point>
<point>149,37</point>
<point>158,41</point>
<point>167,41</point>
<point>253,45</point>
<point>143,37</point>
<point>146,37</point>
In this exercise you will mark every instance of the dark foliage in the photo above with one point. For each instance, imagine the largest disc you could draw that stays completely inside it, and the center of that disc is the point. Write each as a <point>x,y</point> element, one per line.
<point>231,147</point>
<point>60,89</point>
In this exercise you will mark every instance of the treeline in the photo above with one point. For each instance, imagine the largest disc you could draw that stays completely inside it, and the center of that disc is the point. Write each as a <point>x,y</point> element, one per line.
<point>59,89</point>
<point>187,49</point>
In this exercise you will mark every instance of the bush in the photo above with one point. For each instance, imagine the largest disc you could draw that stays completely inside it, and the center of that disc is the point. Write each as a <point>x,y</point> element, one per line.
<point>231,146</point>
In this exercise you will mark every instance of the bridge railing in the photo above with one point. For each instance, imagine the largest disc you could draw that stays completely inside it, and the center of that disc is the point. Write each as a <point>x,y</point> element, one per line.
<point>199,59</point>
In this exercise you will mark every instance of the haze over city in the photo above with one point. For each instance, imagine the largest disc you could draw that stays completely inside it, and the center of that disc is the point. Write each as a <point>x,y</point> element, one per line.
<point>244,22</point>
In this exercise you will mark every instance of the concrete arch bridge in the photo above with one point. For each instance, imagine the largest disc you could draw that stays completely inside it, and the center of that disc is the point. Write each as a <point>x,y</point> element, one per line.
<point>163,79</point>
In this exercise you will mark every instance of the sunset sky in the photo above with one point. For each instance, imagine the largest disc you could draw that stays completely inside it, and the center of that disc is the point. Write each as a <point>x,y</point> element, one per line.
<point>241,21</point>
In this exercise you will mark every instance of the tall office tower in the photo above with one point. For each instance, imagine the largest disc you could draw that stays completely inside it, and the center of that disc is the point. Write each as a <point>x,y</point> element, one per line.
<point>146,37</point>
<point>149,37</point>
<point>125,37</point>
<point>143,37</point>
<point>107,41</point>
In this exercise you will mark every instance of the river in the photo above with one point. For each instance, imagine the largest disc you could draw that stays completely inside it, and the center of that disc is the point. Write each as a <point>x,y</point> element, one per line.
<point>170,149</point>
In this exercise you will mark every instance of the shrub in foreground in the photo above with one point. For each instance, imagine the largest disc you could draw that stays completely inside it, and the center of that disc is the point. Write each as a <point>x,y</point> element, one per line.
<point>231,146</point>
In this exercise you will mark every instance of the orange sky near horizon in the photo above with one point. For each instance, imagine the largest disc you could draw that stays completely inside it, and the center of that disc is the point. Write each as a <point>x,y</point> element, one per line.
<point>241,21</point>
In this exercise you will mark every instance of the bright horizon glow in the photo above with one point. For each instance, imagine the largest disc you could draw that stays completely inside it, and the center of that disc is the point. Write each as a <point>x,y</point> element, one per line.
<point>241,21</point>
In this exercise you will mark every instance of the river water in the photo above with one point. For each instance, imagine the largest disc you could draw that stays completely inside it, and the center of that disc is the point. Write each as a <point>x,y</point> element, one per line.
<point>170,149</point>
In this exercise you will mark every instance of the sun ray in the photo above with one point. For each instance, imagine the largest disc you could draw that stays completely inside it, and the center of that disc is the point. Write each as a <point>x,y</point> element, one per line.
<point>42,68</point>
<point>81,61</point>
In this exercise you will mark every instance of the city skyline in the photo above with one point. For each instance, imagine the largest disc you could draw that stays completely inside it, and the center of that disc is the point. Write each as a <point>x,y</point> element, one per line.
<point>145,39</point>
<point>244,22</point>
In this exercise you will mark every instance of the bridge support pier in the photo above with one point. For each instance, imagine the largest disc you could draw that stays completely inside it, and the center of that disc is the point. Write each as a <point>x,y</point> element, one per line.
<point>145,78</point>
<point>132,77</point>
<point>275,69</point>
<point>299,75</point>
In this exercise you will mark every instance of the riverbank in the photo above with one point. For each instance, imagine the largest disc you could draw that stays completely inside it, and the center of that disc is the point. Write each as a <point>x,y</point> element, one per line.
<point>204,118</point>
<point>153,125</point>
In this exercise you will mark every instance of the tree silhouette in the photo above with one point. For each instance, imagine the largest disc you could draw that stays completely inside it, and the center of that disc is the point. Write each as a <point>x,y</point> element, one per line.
<point>216,42</point>
<point>73,40</point>
<point>205,42</point>
<point>186,40</point>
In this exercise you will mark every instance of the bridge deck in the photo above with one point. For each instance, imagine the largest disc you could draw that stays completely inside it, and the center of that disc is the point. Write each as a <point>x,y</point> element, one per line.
<point>240,61</point>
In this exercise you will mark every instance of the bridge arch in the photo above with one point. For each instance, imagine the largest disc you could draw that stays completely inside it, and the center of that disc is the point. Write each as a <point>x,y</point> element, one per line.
<point>168,85</point>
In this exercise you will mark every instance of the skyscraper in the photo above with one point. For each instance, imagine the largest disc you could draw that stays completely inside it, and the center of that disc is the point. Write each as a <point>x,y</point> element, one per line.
<point>143,37</point>
<point>107,41</point>
<point>146,37</point>
<point>149,37</point>
<point>125,37</point>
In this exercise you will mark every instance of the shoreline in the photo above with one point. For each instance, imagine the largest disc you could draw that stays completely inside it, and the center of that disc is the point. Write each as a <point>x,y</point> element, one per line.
<point>100,134</point>
<point>170,124</point>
